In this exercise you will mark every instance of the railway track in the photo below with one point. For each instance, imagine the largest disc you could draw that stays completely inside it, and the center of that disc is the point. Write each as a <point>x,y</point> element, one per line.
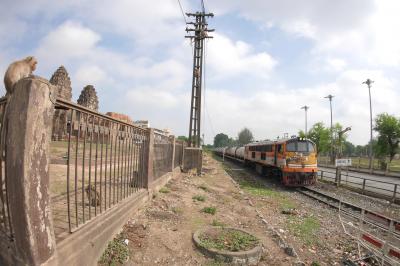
<point>376,232</point>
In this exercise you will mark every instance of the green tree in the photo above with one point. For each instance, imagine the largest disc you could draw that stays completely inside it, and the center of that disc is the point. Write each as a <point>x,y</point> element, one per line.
<point>320,136</point>
<point>221,140</point>
<point>338,141</point>
<point>388,128</point>
<point>183,138</point>
<point>348,148</point>
<point>245,136</point>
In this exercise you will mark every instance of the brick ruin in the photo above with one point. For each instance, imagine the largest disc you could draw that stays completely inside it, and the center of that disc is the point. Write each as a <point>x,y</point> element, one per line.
<point>62,81</point>
<point>122,117</point>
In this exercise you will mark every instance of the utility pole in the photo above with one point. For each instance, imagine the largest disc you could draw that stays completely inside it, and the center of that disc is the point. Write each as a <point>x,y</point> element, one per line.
<point>330,104</point>
<point>199,27</point>
<point>369,82</point>
<point>305,107</point>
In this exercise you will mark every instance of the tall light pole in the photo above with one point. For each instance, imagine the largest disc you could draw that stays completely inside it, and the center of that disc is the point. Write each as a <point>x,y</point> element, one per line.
<point>305,107</point>
<point>369,82</point>
<point>330,104</point>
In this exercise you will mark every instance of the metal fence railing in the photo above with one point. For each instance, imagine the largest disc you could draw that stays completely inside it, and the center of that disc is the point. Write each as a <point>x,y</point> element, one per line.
<point>163,149</point>
<point>364,185</point>
<point>103,165</point>
<point>5,221</point>
<point>362,164</point>
<point>179,147</point>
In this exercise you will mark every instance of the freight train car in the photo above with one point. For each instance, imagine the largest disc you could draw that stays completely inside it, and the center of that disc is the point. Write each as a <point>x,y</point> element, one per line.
<point>293,160</point>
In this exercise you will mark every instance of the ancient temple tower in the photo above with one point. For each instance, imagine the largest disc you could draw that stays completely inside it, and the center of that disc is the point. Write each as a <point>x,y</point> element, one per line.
<point>62,81</point>
<point>88,98</point>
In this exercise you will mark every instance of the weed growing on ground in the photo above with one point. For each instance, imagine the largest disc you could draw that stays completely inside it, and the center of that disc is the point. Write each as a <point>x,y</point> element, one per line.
<point>164,190</point>
<point>315,263</point>
<point>209,210</point>
<point>227,239</point>
<point>176,210</point>
<point>258,189</point>
<point>286,203</point>
<point>217,223</point>
<point>116,253</point>
<point>203,187</point>
<point>306,229</point>
<point>199,198</point>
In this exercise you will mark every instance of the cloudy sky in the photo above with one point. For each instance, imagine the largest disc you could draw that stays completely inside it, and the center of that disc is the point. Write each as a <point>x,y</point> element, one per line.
<point>267,59</point>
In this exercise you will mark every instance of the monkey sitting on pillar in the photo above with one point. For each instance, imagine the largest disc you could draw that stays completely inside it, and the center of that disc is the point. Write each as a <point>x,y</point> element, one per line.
<point>93,195</point>
<point>18,70</point>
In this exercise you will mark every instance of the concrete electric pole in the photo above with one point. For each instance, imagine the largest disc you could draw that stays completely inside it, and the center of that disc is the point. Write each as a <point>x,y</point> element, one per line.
<point>369,82</point>
<point>305,107</point>
<point>200,34</point>
<point>330,104</point>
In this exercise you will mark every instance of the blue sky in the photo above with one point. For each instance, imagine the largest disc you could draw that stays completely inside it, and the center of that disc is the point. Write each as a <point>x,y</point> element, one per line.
<point>267,59</point>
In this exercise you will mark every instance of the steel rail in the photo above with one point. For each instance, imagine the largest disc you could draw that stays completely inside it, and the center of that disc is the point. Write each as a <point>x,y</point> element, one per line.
<point>374,218</point>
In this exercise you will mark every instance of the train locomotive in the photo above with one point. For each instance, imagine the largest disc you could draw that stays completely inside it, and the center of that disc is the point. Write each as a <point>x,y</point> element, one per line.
<point>294,160</point>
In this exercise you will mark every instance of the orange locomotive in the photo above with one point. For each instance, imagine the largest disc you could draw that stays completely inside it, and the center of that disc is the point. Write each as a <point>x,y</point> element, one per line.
<point>295,160</point>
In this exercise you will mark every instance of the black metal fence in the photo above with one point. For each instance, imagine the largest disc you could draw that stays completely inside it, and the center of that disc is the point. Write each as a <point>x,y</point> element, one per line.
<point>6,229</point>
<point>104,165</point>
<point>162,160</point>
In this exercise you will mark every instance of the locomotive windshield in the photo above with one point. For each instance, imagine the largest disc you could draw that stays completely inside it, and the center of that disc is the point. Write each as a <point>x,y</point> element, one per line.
<point>300,146</point>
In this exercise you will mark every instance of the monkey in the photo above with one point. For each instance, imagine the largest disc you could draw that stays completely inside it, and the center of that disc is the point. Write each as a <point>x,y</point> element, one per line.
<point>18,70</point>
<point>197,72</point>
<point>93,195</point>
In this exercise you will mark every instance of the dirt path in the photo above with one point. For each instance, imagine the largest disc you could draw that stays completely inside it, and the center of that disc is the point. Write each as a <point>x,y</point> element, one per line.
<point>162,232</point>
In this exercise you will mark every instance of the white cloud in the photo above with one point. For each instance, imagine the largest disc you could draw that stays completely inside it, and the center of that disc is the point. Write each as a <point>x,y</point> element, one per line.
<point>270,113</point>
<point>228,58</point>
<point>335,64</point>
<point>69,40</point>
<point>90,74</point>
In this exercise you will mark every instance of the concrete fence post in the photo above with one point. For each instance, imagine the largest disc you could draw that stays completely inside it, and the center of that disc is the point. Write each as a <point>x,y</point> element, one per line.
<point>28,134</point>
<point>149,157</point>
<point>173,142</point>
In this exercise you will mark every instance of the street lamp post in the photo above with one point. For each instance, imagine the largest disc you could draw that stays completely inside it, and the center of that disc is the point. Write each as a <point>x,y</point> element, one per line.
<point>330,104</point>
<point>369,82</point>
<point>305,107</point>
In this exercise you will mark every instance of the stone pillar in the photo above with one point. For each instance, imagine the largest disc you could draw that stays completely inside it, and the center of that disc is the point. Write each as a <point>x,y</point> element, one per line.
<point>173,142</point>
<point>149,157</point>
<point>29,123</point>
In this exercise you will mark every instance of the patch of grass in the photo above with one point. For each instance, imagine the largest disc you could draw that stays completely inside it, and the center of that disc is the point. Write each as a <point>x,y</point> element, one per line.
<point>116,253</point>
<point>306,229</point>
<point>315,263</point>
<point>217,223</point>
<point>204,187</point>
<point>209,210</point>
<point>258,189</point>
<point>176,210</point>
<point>286,204</point>
<point>197,222</point>
<point>199,198</point>
<point>164,190</point>
<point>227,239</point>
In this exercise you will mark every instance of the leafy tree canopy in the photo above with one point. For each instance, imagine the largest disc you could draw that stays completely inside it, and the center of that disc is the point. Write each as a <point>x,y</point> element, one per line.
<point>245,136</point>
<point>388,128</point>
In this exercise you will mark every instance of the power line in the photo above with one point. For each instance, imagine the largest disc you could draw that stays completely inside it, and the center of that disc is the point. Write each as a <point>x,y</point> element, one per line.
<point>183,13</point>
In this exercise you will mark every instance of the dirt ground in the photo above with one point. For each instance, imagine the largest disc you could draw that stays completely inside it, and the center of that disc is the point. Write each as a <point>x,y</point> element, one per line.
<point>161,233</point>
